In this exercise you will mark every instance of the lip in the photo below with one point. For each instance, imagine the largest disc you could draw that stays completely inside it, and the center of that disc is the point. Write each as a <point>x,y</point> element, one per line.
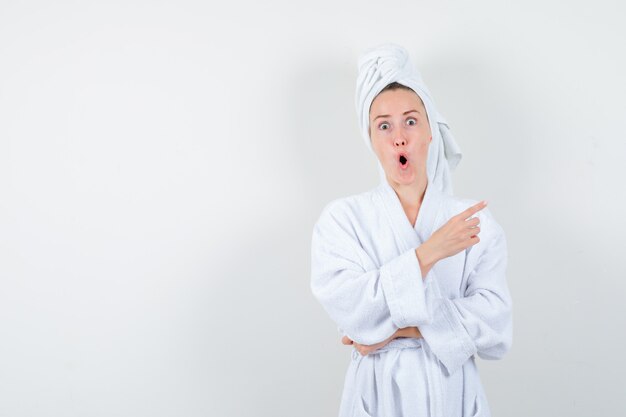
<point>405,166</point>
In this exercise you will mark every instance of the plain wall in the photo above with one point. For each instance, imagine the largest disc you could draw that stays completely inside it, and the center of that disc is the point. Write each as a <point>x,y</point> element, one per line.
<point>162,165</point>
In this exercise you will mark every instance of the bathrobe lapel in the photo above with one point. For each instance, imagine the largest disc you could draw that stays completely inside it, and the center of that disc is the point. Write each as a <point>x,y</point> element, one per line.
<point>408,236</point>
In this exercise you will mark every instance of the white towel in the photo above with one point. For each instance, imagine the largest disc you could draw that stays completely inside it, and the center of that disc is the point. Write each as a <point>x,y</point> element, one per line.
<point>384,64</point>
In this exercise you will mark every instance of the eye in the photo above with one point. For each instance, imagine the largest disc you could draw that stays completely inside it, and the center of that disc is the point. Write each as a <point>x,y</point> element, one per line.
<point>383,126</point>
<point>412,119</point>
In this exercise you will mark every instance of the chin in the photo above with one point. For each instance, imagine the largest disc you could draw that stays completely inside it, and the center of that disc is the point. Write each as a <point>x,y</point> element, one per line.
<point>402,179</point>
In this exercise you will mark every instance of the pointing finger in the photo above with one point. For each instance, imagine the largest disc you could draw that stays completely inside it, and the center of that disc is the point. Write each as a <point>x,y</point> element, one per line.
<point>473,209</point>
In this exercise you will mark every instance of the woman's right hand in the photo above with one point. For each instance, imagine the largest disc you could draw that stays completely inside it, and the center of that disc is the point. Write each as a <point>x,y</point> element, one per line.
<point>453,237</point>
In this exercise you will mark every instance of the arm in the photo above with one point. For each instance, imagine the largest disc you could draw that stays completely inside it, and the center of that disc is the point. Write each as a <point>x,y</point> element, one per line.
<point>368,304</point>
<point>409,332</point>
<point>481,320</point>
<point>426,259</point>
<point>367,349</point>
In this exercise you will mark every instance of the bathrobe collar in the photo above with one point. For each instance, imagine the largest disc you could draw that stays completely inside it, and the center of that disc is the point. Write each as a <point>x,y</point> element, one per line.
<point>409,236</point>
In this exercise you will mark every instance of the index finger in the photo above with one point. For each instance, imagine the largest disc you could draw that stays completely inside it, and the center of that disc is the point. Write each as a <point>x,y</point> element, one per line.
<point>473,209</point>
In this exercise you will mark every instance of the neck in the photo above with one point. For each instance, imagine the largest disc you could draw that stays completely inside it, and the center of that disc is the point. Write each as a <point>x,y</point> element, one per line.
<point>410,195</point>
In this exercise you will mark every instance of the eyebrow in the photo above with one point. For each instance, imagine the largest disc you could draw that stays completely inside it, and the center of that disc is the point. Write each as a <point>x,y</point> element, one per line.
<point>386,115</point>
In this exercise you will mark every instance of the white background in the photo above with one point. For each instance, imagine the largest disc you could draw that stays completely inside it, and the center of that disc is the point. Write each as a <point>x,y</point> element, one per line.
<point>162,165</point>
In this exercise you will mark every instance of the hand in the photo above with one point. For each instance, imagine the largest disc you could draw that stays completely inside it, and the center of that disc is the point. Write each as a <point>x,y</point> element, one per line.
<point>454,236</point>
<point>366,349</point>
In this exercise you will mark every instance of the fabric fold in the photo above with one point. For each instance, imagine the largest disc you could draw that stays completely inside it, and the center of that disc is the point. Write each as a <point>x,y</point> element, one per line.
<point>403,285</point>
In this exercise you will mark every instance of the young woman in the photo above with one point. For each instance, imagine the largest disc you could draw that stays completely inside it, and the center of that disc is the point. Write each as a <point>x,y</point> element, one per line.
<point>413,276</point>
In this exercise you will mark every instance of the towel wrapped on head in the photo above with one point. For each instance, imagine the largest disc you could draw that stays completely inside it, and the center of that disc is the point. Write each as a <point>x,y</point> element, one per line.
<point>387,63</point>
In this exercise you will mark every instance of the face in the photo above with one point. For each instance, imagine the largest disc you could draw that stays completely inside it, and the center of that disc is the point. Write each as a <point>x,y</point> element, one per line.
<point>400,135</point>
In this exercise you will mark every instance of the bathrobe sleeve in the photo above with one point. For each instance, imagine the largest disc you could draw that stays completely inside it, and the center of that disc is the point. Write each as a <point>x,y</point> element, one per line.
<point>367,303</point>
<point>480,321</point>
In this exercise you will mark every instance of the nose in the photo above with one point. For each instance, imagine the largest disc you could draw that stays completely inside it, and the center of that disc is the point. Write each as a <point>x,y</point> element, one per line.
<point>399,140</point>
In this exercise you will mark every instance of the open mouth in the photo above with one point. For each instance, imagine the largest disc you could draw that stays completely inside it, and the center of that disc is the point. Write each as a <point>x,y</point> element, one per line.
<point>403,161</point>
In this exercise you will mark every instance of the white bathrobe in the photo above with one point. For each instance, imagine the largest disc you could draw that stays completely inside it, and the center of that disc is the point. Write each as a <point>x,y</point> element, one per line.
<point>366,275</point>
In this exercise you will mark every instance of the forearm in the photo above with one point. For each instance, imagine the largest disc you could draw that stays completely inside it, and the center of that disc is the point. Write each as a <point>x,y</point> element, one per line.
<point>409,332</point>
<point>425,258</point>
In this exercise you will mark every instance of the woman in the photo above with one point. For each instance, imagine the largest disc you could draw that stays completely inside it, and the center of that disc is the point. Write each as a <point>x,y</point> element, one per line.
<point>402,270</point>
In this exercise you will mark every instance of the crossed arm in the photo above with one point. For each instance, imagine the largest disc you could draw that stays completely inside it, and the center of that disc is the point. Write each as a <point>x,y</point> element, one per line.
<point>374,305</point>
<point>427,257</point>
<point>367,349</point>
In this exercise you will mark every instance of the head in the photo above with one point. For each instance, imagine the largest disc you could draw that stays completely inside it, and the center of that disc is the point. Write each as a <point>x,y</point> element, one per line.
<point>400,133</point>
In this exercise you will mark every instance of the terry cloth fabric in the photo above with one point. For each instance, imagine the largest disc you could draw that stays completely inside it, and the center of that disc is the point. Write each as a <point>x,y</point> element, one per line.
<point>384,64</point>
<point>365,273</point>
